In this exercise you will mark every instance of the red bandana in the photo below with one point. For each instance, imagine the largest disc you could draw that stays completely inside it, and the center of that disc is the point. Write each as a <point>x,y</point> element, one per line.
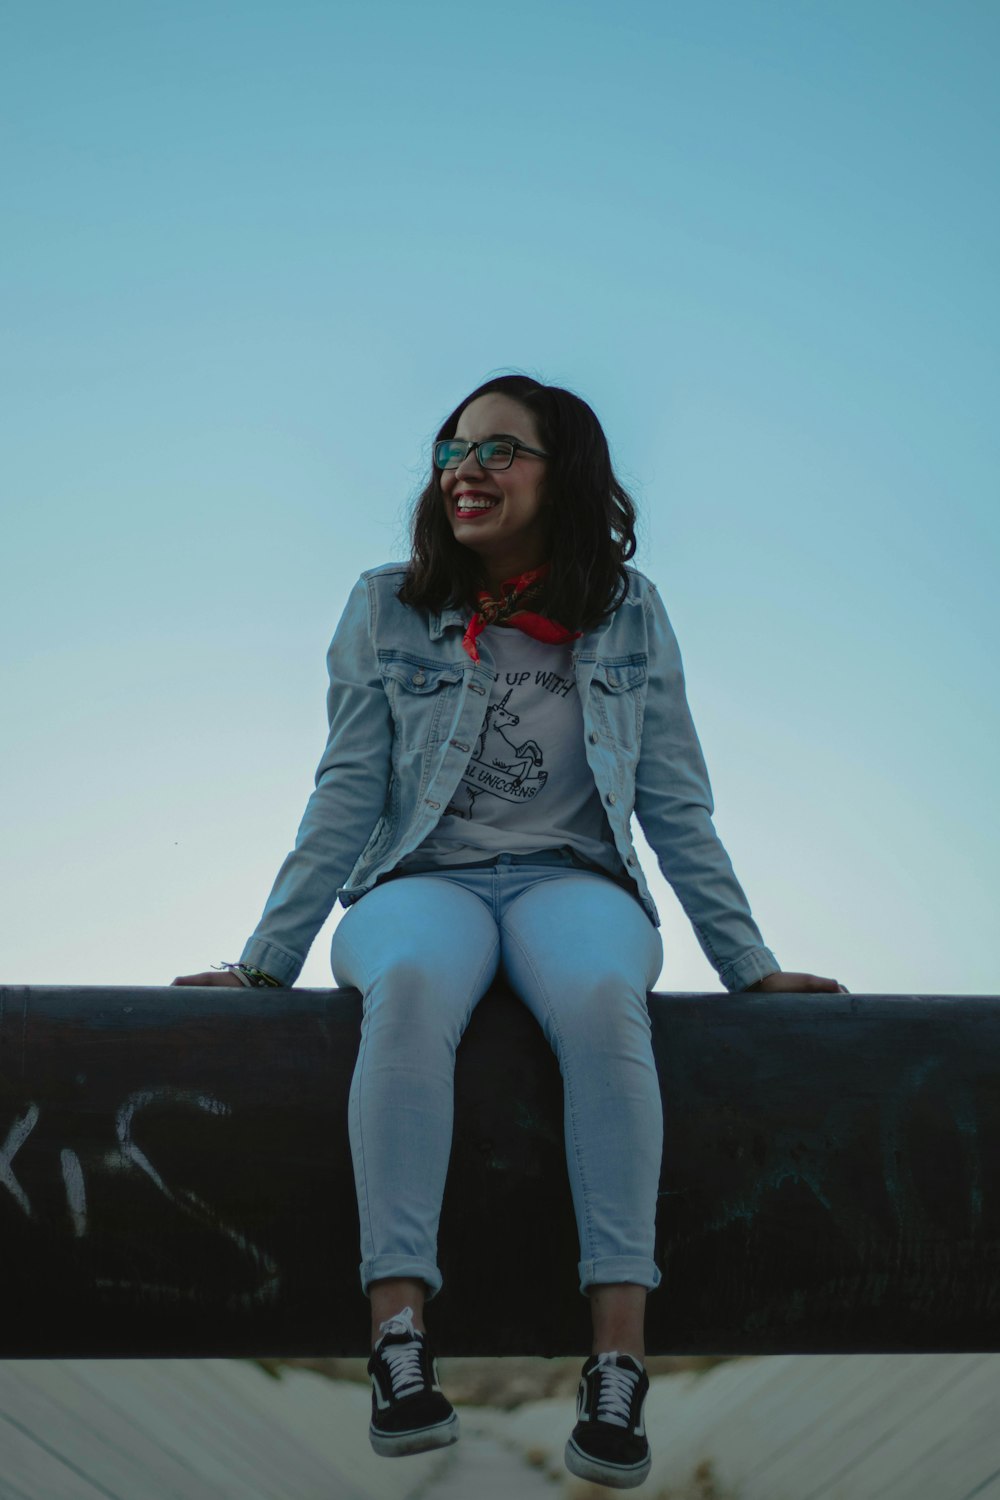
<point>507,610</point>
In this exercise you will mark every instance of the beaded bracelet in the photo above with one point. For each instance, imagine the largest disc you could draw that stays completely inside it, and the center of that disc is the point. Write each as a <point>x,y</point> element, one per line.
<point>251,978</point>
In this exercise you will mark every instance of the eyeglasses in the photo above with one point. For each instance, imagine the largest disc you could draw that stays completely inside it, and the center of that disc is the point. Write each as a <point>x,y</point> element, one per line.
<point>493,453</point>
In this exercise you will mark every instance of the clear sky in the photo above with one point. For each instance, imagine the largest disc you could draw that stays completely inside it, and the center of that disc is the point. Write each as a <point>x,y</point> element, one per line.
<point>253,253</point>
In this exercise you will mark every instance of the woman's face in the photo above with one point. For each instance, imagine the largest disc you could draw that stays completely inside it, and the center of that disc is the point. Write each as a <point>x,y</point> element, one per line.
<point>510,536</point>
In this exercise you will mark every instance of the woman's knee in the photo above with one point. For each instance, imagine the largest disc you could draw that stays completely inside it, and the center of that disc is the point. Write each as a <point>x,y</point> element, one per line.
<point>415,936</point>
<point>416,988</point>
<point>586,930</point>
<point>600,1006</point>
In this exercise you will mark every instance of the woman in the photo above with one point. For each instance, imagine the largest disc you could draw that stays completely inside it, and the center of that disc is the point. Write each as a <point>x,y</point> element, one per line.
<point>498,708</point>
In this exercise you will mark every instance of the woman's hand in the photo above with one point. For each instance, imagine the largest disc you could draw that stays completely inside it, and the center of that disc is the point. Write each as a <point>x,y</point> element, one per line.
<point>212,977</point>
<point>798,983</point>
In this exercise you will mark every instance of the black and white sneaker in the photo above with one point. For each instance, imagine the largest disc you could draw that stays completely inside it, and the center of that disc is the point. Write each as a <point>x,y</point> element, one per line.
<point>608,1443</point>
<point>409,1412</point>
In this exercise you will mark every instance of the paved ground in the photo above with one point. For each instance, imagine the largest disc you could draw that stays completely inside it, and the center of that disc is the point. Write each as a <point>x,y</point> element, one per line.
<point>817,1427</point>
<point>222,1429</point>
<point>811,1427</point>
<point>480,1467</point>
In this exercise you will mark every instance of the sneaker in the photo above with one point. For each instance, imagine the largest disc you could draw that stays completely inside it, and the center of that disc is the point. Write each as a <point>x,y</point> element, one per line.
<point>409,1412</point>
<point>608,1443</point>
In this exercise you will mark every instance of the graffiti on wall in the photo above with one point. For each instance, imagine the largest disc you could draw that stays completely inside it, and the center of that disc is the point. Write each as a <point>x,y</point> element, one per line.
<point>127,1156</point>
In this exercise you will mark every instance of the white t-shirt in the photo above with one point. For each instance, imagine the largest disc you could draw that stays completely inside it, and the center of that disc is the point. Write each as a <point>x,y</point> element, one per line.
<point>527,785</point>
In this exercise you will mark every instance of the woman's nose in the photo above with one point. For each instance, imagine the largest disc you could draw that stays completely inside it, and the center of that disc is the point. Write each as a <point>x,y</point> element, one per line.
<point>470,464</point>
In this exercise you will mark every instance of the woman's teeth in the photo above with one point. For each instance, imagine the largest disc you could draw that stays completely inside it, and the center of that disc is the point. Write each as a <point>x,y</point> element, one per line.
<point>464,506</point>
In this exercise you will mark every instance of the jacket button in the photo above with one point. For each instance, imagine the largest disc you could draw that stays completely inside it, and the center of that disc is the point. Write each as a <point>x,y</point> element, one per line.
<point>474,686</point>
<point>630,859</point>
<point>459,745</point>
<point>432,804</point>
<point>419,680</point>
<point>593,736</point>
<point>612,797</point>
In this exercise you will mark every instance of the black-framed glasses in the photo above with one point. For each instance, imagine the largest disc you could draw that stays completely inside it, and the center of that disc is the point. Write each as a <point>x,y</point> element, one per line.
<point>492,453</point>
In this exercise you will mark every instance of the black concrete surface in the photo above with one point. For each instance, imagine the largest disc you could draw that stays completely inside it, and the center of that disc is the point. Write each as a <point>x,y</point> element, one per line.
<point>175,1177</point>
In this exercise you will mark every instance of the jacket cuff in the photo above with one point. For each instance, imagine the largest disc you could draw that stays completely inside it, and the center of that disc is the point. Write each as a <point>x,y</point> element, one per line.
<point>277,962</point>
<point>744,971</point>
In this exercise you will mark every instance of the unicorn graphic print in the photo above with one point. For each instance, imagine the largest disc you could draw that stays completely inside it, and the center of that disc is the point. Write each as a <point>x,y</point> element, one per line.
<point>504,764</point>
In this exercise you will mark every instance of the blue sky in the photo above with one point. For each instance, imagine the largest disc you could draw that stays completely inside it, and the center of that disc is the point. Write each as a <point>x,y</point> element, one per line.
<point>254,253</point>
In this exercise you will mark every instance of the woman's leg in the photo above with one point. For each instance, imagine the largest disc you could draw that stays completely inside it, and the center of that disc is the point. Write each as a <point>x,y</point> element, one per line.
<point>390,1296</point>
<point>618,1313</point>
<point>422,951</point>
<point>582,954</point>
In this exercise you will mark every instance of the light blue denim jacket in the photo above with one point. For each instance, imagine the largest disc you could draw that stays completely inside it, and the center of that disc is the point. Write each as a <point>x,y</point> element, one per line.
<point>406,705</point>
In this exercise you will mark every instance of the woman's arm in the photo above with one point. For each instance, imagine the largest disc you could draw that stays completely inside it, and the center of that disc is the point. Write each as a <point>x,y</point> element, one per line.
<point>674,806</point>
<point>352,782</point>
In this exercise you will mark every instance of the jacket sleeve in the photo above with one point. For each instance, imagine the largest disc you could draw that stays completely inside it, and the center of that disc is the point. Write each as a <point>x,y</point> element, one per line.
<point>674,806</point>
<point>352,782</point>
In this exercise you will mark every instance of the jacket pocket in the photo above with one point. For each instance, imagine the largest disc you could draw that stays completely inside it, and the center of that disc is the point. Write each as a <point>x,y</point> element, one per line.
<point>618,694</point>
<point>422,696</point>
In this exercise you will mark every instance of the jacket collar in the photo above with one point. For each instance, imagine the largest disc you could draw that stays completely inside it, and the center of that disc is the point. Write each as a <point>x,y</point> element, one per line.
<point>440,620</point>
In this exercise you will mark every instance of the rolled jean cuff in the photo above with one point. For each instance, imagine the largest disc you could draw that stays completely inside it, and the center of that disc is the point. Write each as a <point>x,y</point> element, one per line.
<point>411,1266</point>
<point>634,1268</point>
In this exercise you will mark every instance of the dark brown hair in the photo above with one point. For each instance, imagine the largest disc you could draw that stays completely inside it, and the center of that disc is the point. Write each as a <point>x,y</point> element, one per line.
<point>591,518</point>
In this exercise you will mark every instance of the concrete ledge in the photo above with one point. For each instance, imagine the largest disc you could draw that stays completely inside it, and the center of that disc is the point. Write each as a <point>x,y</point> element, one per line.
<point>175,1177</point>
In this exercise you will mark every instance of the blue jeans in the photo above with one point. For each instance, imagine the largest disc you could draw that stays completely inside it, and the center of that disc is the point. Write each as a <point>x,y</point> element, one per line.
<point>582,954</point>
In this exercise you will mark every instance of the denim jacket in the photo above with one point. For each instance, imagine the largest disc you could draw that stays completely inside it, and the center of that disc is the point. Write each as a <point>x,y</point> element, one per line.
<point>406,705</point>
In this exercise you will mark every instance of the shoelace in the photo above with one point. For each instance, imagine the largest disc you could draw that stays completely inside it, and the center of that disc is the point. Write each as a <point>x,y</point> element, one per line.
<point>404,1368</point>
<point>615,1390</point>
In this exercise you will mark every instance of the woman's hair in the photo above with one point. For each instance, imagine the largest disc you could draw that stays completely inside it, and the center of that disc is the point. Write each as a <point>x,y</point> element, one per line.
<point>590,517</point>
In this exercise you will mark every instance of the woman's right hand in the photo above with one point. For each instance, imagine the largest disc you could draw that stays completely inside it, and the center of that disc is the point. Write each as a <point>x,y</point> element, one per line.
<point>213,976</point>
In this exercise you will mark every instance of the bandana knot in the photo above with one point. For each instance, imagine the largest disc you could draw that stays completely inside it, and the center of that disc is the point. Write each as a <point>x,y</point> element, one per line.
<point>509,609</point>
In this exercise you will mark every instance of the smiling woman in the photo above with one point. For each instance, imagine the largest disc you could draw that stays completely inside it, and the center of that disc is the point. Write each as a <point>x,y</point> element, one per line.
<point>495,492</point>
<point>554,499</point>
<point>473,808</point>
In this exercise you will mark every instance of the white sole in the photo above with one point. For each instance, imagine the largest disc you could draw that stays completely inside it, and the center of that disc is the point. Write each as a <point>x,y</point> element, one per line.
<point>419,1440</point>
<point>618,1477</point>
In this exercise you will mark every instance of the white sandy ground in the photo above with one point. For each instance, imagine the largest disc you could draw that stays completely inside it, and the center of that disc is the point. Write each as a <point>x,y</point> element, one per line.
<point>820,1427</point>
<point>206,1429</point>
<point>805,1427</point>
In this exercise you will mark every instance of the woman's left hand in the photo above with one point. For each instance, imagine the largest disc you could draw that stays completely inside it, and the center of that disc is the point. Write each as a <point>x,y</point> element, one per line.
<point>798,983</point>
